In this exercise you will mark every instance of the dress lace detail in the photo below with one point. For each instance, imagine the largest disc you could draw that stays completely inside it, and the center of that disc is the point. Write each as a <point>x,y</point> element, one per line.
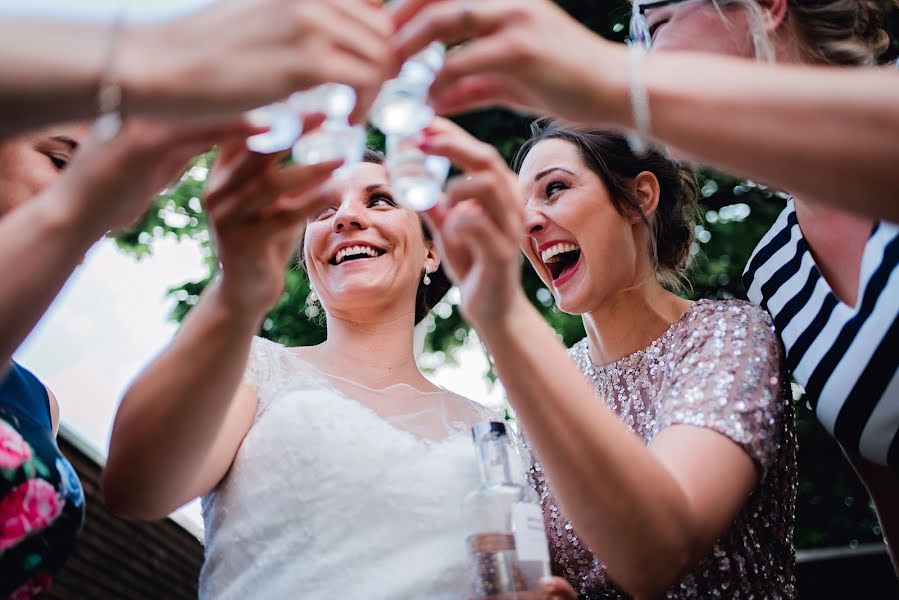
<point>341,491</point>
<point>718,367</point>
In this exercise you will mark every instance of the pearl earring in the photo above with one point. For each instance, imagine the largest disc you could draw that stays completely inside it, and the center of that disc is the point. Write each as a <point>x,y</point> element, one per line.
<point>427,279</point>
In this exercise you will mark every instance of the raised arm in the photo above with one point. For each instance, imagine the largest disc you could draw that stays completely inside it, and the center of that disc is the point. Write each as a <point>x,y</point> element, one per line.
<point>825,134</point>
<point>182,420</point>
<point>649,514</point>
<point>206,64</point>
<point>104,187</point>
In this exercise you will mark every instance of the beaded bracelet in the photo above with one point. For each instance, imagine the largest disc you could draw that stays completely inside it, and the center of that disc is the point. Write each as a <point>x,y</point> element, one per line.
<point>638,138</point>
<point>109,94</point>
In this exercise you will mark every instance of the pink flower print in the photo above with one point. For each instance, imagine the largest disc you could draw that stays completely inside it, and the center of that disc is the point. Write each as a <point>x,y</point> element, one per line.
<point>13,449</point>
<point>31,588</point>
<point>28,507</point>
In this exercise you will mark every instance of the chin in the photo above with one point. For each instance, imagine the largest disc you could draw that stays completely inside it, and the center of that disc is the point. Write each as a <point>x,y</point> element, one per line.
<point>571,302</point>
<point>366,289</point>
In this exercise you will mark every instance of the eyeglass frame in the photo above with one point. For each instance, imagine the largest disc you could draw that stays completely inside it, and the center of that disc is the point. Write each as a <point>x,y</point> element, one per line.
<point>639,16</point>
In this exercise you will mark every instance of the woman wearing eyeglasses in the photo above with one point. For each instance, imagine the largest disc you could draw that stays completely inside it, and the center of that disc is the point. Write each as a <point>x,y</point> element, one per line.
<point>823,133</point>
<point>827,270</point>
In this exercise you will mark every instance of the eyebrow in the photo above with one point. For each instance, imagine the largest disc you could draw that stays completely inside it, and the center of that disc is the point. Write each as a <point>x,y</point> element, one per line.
<point>546,172</point>
<point>72,144</point>
<point>375,186</point>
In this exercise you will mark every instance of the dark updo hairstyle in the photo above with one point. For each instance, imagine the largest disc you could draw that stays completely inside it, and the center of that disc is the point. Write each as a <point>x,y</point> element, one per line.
<point>672,226</point>
<point>427,296</point>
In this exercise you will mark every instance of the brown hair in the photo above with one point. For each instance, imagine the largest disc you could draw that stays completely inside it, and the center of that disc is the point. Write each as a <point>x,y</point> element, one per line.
<point>427,296</point>
<point>672,226</point>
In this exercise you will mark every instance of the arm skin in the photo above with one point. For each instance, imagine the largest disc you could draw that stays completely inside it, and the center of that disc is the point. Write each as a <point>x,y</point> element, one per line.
<point>43,236</point>
<point>202,65</point>
<point>826,134</point>
<point>183,419</point>
<point>650,514</point>
<point>107,185</point>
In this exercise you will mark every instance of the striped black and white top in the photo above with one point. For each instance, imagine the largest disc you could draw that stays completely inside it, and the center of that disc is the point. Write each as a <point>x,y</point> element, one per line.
<point>846,358</point>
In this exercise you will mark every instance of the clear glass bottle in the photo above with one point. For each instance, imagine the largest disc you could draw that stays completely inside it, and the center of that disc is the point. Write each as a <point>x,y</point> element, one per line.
<point>401,107</point>
<point>416,178</point>
<point>507,546</point>
<point>285,127</point>
<point>336,138</point>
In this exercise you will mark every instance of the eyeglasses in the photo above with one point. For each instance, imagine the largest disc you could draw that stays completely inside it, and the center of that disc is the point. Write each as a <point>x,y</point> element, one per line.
<point>640,34</point>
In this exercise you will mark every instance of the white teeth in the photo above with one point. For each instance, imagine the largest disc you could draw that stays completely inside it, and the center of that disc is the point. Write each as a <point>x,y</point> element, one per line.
<point>355,251</point>
<point>557,249</point>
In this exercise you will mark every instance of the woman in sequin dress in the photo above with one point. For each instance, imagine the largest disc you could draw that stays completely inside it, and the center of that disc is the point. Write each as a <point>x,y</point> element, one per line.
<point>821,123</point>
<point>675,459</point>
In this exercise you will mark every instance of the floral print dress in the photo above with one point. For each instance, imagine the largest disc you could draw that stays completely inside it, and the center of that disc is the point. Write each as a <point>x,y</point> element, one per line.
<point>41,499</point>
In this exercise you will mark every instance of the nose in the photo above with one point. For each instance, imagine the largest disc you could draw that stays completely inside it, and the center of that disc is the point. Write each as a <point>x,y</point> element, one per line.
<point>534,221</point>
<point>350,215</point>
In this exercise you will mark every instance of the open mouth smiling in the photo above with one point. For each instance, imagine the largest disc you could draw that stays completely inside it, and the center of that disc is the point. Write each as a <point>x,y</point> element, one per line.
<point>561,259</point>
<point>355,252</point>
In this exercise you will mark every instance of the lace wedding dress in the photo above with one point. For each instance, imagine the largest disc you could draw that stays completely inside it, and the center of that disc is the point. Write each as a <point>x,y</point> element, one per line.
<point>339,491</point>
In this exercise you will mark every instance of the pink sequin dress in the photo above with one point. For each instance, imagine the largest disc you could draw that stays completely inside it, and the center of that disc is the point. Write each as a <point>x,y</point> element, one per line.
<point>718,367</point>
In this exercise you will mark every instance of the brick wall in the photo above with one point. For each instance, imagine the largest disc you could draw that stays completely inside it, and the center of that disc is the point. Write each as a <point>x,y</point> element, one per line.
<point>123,559</point>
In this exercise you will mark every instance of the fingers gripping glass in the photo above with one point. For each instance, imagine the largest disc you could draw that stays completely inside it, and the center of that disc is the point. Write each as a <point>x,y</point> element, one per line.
<point>640,34</point>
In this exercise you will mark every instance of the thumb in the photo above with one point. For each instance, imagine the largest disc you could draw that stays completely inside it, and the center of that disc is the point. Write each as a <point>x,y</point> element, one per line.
<point>557,588</point>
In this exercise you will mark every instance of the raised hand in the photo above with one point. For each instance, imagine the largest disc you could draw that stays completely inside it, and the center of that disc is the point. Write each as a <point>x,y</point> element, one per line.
<point>257,211</point>
<point>109,184</point>
<point>240,54</point>
<point>557,588</point>
<point>105,186</point>
<point>551,588</point>
<point>529,56</point>
<point>479,224</point>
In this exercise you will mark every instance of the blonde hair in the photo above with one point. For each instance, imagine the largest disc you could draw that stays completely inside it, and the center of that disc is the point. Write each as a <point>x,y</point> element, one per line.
<point>834,32</point>
<point>843,32</point>
<point>764,49</point>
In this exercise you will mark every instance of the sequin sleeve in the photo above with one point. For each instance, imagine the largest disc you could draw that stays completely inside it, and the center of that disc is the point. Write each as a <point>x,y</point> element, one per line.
<point>726,376</point>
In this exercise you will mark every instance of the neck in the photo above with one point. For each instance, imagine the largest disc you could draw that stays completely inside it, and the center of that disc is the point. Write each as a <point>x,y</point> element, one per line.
<point>631,320</point>
<point>376,353</point>
<point>837,239</point>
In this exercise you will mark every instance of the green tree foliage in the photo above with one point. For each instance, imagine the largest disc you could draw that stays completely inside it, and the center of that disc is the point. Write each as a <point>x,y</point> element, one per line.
<point>832,506</point>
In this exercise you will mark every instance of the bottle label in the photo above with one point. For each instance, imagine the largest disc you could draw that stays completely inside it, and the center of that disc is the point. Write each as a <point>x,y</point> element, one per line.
<point>530,536</point>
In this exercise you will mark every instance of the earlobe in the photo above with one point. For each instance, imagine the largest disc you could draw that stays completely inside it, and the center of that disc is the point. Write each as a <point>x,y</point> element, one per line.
<point>432,259</point>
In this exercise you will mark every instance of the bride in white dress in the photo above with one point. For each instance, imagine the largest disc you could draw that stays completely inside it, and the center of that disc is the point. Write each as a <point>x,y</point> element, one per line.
<point>332,471</point>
